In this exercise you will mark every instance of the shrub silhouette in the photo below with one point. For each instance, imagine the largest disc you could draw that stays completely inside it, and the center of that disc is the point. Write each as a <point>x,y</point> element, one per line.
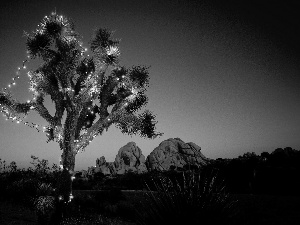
<point>196,197</point>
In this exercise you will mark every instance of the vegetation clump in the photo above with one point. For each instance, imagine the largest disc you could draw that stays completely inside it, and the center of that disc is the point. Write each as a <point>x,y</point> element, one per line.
<point>189,197</point>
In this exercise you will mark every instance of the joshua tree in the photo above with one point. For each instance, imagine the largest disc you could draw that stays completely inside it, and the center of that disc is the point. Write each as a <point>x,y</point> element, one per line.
<point>93,92</point>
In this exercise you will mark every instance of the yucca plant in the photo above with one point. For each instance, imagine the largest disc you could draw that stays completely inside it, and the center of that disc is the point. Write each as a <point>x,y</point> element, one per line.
<point>195,198</point>
<point>44,203</point>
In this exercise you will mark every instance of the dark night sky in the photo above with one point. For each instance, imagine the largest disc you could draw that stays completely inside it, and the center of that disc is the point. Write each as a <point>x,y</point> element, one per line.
<point>224,74</point>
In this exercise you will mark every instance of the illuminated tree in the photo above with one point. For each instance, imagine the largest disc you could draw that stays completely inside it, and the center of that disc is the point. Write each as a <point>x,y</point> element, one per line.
<point>92,92</point>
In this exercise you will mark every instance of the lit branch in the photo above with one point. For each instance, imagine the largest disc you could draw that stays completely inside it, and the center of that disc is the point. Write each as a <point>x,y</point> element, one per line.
<point>12,106</point>
<point>43,111</point>
<point>92,132</point>
<point>93,85</point>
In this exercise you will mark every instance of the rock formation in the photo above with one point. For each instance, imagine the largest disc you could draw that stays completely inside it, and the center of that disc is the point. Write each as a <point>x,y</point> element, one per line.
<point>130,158</point>
<point>174,154</point>
<point>104,167</point>
<point>170,154</point>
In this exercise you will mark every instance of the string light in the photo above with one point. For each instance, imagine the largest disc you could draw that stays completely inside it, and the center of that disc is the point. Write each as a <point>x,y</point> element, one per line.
<point>13,83</point>
<point>71,197</point>
<point>19,120</point>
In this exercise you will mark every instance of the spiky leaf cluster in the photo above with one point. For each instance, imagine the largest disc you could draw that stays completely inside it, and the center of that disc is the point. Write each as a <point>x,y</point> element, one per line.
<point>139,75</point>
<point>144,124</point>
<point>148,125</point>
<point>104,47</point>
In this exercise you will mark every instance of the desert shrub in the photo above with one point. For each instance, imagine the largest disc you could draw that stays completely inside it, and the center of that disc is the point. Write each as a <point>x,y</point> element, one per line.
<point>81,184</point>
<point>197,197</point>
<point>23,189</point>
<point>91,202</point>
<point>91,220</point>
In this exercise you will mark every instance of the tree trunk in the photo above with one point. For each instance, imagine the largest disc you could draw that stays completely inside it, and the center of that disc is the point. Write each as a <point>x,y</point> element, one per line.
<point>64,183</point>
<point>68,155</point>
<point>64,187</point>
<point>68,163</point>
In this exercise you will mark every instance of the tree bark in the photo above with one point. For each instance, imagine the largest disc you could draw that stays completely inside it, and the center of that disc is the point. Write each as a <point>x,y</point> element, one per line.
<point>64,186</point>
<point>64,183</point>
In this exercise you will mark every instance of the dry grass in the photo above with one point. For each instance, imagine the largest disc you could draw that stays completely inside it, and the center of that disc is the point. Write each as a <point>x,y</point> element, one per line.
<point>269,210</point>
<point>15,214</point>
<point>256,210</point>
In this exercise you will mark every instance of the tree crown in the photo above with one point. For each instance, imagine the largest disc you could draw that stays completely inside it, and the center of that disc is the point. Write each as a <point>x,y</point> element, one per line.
<point>81,85</point>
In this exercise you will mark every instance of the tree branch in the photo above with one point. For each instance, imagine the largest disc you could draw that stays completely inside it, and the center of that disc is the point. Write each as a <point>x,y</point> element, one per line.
<point>96,79</point>
<point>92,132</point>
<point>11,106</point>
<point>60,108</point>
<point>43,111</point>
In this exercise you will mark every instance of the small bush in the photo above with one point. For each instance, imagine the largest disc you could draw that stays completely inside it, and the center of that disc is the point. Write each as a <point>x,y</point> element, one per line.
<point>196,197</point>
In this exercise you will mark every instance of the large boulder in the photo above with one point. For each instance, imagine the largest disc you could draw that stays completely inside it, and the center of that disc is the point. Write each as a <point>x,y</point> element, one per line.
<point>130,158</point>
<point>173,153</point>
